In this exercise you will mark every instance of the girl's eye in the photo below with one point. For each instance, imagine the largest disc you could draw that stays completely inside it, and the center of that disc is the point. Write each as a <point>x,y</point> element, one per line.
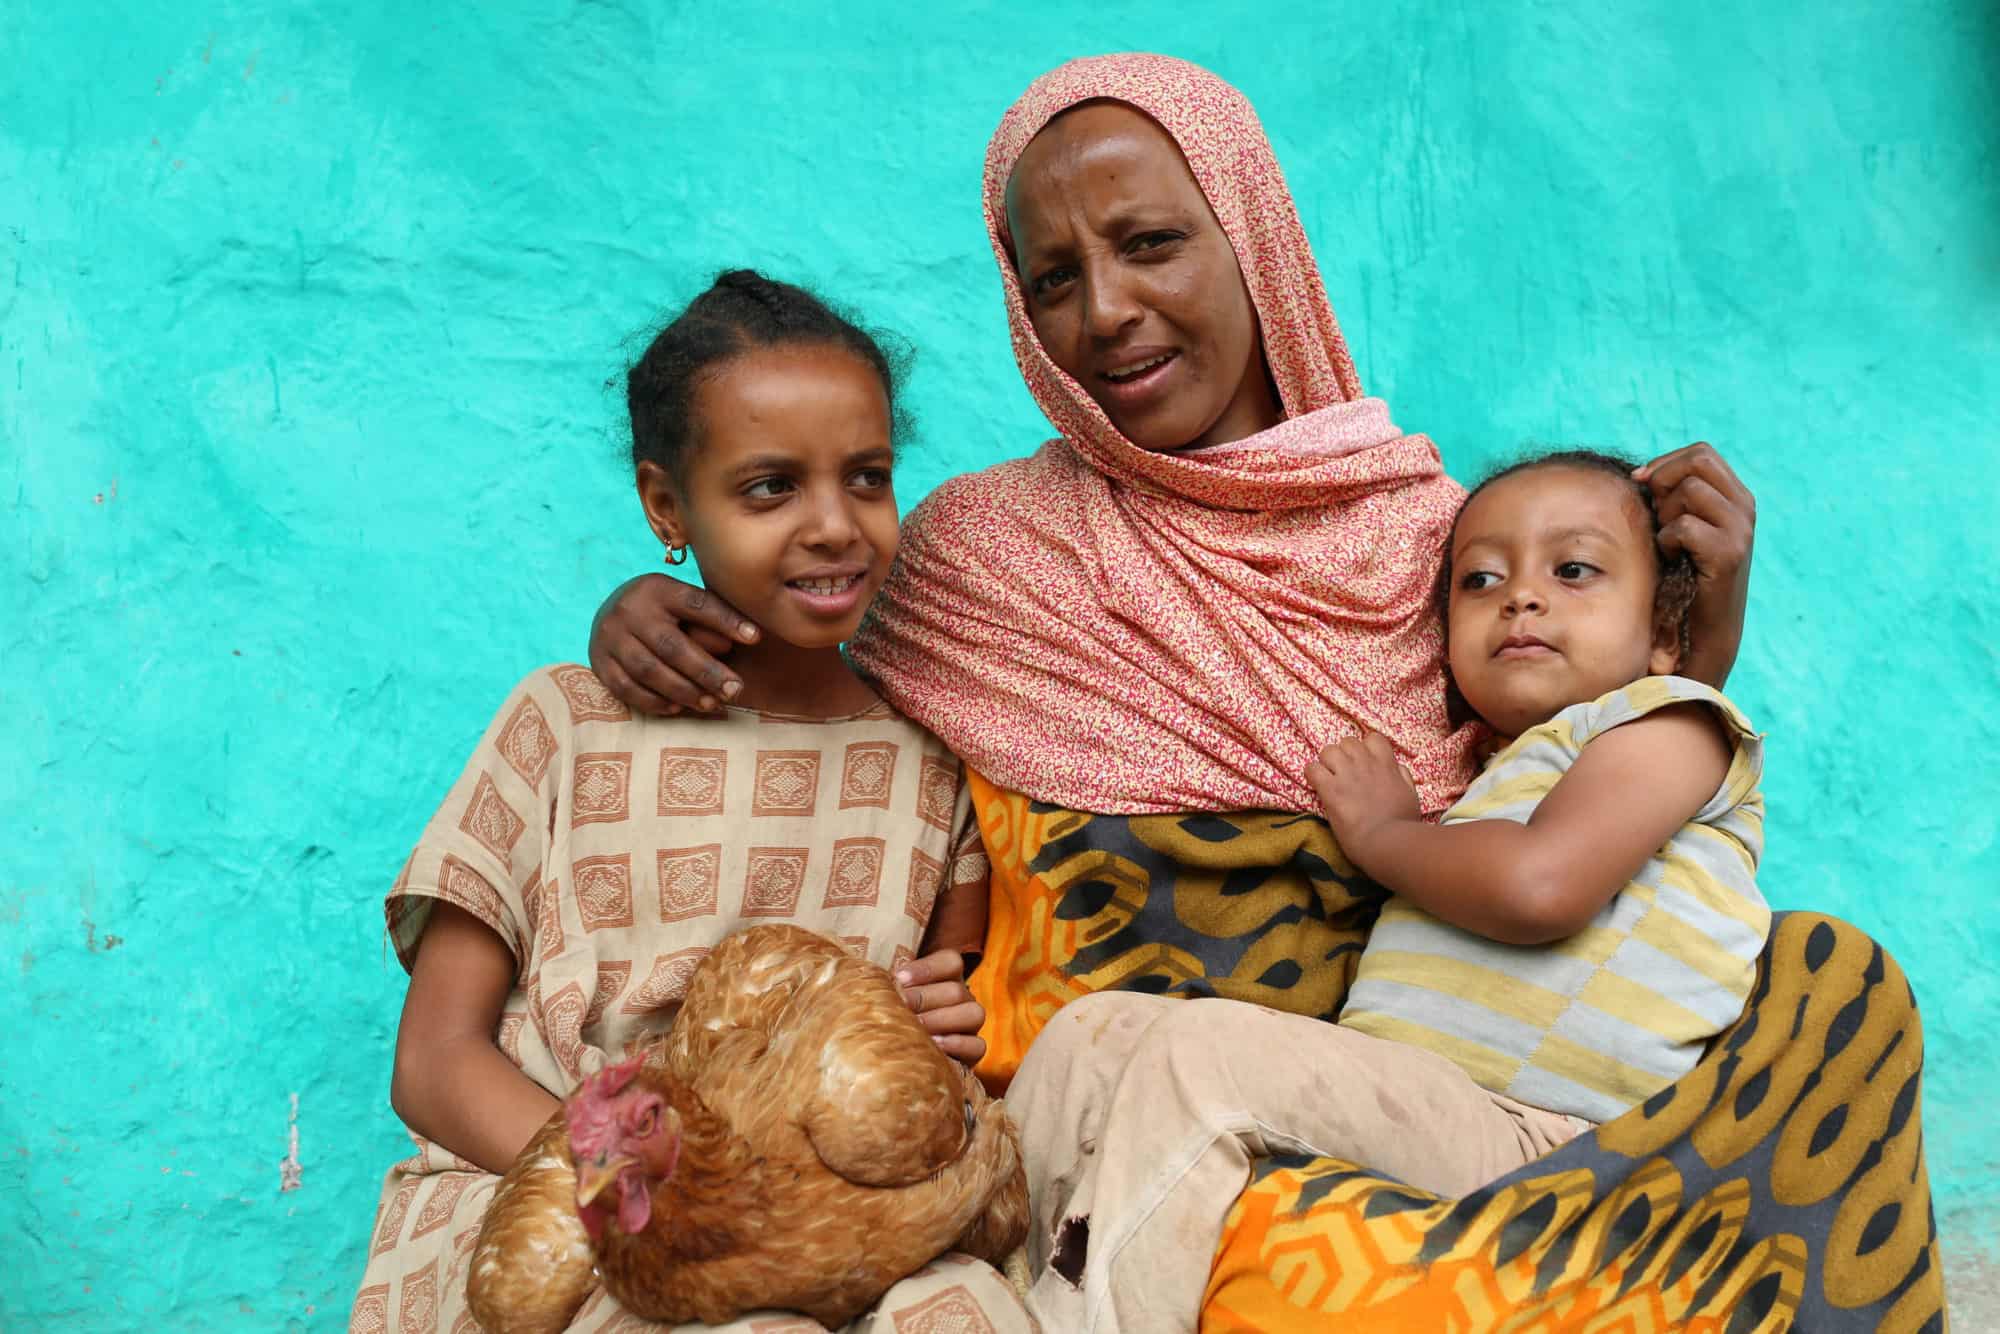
<point>768,488</point>
<point>1478,579</point>
<point>872,479</point>
<point>1575,569</point>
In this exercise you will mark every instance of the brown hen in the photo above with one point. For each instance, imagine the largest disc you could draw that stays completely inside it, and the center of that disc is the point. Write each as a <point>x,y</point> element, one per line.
<point>797,1141</point>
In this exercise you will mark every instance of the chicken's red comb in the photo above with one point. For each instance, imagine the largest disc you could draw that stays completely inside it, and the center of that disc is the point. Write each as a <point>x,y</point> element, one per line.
<point>613,1078</point>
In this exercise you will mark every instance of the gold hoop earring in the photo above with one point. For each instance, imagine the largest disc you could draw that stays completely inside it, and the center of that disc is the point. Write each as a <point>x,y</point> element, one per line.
<point>677,553</point>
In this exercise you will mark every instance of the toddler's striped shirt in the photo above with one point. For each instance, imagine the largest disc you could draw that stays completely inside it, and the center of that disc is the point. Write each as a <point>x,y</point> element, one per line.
<point>1595,1024</point>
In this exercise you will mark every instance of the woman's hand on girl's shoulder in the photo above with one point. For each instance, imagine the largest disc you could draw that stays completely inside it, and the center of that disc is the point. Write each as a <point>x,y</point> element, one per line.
<point>655,644</point>
<point>1707,512</point>
<point>934,986</point>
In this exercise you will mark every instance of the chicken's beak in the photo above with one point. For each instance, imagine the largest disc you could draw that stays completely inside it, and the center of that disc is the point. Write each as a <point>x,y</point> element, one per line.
<point>595,1176</point>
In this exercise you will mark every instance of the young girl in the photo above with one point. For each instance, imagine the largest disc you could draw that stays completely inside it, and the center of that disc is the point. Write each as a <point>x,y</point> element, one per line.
<point>1586,918</point>
<point>587,858</point>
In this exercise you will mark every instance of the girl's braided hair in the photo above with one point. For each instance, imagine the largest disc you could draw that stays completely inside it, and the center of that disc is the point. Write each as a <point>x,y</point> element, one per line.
<point>741,311</point>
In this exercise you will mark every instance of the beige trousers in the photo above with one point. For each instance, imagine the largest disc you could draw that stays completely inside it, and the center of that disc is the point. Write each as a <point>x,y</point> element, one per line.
<point>1139,1116</point>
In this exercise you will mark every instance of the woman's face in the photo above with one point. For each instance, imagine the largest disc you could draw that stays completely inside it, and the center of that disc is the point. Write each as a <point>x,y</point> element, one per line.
<point>1131,284</point>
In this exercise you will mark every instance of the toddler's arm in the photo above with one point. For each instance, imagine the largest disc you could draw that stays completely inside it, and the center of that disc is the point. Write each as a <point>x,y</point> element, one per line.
<point>452,1085</point>
<point>1527,884</point>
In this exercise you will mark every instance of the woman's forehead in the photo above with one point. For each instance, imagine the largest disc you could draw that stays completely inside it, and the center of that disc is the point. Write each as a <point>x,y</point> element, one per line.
<point>1106,147</point>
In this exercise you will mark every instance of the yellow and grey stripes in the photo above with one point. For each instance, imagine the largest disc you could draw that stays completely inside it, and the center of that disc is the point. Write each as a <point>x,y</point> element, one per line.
<point>1597,1023</point>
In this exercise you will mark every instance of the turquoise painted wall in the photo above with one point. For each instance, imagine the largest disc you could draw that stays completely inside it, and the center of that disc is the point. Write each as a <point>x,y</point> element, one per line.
<point>306,318</point>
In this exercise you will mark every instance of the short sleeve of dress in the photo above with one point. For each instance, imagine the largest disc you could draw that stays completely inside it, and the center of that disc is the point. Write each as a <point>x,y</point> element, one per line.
<point>969,864</point>
<point>482,851</point>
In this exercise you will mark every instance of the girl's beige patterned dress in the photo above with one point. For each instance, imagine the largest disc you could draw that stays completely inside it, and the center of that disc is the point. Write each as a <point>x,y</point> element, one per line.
<point>610,852</point>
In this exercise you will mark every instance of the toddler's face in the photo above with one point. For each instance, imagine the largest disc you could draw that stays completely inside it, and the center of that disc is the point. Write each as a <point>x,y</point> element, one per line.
<point>787,500</point>
<point>1553,575</point>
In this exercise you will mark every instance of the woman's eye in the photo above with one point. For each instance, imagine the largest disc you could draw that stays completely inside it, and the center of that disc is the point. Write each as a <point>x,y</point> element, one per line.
<point>1478,579</point>
<point>1154,240</point>
<point>768,488</point>
<point>1575,569</point>
<point>1047,284</point>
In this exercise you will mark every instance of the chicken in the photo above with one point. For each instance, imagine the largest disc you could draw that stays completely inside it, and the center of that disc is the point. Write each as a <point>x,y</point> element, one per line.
<point>796,1141</point>
<point>533,1264</point>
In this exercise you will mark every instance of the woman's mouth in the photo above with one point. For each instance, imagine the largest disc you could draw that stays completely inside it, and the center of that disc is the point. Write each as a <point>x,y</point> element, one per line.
<point>1139,380</point>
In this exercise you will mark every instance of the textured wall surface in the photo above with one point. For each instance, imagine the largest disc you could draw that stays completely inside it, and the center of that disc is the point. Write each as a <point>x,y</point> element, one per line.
<point>306,318</point>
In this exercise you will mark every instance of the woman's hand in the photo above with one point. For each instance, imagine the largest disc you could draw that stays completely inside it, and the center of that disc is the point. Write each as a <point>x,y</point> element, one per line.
<point>1706,511</point>
<point>655,641</point>
<point>935,988</point>
<point>1362,788</point>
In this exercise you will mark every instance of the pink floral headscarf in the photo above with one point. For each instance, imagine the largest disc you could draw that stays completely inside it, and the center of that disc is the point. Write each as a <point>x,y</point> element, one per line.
<point>1116,630</point>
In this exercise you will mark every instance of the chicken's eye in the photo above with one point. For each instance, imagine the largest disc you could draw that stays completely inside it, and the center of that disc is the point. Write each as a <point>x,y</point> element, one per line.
<point>649,1121</point>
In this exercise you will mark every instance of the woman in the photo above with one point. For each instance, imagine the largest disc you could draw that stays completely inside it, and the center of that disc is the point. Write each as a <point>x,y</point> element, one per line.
<point>1146,630</point>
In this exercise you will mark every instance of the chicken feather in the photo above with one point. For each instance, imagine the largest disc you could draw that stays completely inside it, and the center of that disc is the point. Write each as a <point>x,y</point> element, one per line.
<point>826,1148</point>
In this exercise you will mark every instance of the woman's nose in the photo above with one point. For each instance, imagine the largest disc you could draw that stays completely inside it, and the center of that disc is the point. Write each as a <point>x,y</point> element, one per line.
<point>1110,305</point>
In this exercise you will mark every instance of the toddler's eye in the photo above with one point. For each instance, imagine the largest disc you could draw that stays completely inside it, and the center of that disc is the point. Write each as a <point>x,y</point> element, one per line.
<point>1575,569</point>
<point>768,488</point>
<point>1475,580</point>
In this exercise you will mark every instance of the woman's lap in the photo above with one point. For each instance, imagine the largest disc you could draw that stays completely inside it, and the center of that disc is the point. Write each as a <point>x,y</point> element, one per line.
<point>1140,1117</point>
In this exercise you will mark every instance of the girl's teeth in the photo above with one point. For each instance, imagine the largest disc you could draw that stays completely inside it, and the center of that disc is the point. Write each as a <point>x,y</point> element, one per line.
<point>825,587</point>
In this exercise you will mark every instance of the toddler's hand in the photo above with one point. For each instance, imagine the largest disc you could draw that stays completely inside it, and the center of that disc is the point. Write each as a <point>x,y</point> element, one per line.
<point>1361,788</point>
<point>935,988</point>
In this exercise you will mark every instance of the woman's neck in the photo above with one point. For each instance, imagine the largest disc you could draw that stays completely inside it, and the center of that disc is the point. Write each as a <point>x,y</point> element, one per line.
<point>808,682</point>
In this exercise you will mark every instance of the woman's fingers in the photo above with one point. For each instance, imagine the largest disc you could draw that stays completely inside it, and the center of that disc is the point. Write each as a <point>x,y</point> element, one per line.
<point>699,607</point>
<point>1699,460</point>
<point>664,638</point>
<point>643,663</point>
<point>636,696</point>
<point>1689,535</point>
<point>712,642</point>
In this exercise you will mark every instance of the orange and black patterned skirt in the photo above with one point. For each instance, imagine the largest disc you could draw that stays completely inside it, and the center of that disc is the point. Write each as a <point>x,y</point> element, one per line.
<point>1780,1185</point>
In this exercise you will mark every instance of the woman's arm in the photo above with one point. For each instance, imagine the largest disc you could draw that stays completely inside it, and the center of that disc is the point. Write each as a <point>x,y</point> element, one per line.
<point>452,1085</point>
<point>654,644</point>
<point>1707,512</point>
<point>1528,884</point>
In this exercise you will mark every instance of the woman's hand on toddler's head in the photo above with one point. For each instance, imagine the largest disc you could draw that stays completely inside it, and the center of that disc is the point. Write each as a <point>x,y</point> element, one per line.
<point>935,988</point>
<point>1361,788</point>
<point>1707,512</point>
